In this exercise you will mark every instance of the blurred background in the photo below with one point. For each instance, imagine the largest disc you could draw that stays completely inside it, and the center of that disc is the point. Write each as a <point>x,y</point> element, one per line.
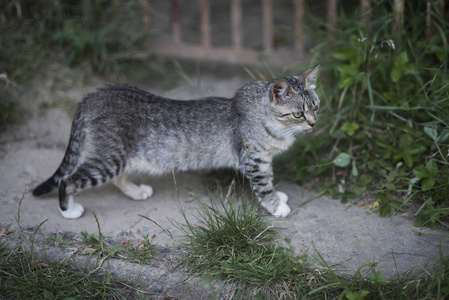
<point>383,136</point>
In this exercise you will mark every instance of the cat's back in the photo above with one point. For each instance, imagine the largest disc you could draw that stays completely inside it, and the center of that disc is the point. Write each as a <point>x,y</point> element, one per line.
<point>122,100</point>
<point>119,98</point>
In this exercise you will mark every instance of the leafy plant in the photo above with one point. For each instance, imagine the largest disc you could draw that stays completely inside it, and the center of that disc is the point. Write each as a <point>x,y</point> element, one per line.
<point>230,241</point>
<point>97,32</point>
<point>384,124</point>
<point>142,253</point>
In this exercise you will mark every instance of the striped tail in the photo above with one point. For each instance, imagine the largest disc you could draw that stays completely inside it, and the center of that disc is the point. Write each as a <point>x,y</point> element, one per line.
<point>70,159</point>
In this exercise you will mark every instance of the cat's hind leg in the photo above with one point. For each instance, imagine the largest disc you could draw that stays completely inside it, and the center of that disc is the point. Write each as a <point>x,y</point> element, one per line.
<point>135,192</point>
<point>69,208</point>
<point>91,173</point>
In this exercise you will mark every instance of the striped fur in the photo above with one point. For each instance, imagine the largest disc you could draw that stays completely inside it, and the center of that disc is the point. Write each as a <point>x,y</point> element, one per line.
<point>121,129</point>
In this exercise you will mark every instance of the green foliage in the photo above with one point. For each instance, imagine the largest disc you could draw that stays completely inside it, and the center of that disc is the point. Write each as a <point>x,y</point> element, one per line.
<point>97,32</point>
<point>231,241</point>
<point>26,278</point>
<point>24,275</point>
<point>384,125</point>
<point>96,242</point>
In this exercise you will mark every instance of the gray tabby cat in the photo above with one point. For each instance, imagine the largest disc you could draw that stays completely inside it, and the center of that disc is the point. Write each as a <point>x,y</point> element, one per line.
<point>121,129</point>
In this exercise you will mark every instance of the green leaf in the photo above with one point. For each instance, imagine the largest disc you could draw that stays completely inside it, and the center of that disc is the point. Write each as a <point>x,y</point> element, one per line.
<point>113,249</point>
<point>345,81</point>
<point>342,160</point>
<point>377,278</point>
<point>425,217</point>
<point>365,179</point>
<point>431,166</point>
<point>402,59</point>
<point>391,187</point>
<point>343,53</point>
<point>391,176</point>
<point>395,74</point>
<point>349,128</point>
<point>357,295</point>
<point>395,205</point>
<point>107,278</point>
<point>385,210</point>
<point>421,172</point>
<point>48,295</point>
<point>383,197</point>
<point>407,157</point>
<point>347,69</point>
<point>428,183</point>
<point>432,133</point>
<point>384,145</point>
<point>354,171</point>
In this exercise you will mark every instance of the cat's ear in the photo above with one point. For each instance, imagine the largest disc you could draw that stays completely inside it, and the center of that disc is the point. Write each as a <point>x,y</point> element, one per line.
<point>279,90</point>
<point>309,77</point>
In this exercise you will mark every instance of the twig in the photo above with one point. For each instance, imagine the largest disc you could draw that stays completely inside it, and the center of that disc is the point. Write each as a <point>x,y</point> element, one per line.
<point>308,200</point>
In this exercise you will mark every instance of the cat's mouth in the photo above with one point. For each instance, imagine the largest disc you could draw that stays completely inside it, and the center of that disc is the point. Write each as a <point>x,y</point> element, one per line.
<point>310,130</point>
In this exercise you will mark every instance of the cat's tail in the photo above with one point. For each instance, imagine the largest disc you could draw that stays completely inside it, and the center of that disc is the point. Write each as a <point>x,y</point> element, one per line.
<point>70,159</point>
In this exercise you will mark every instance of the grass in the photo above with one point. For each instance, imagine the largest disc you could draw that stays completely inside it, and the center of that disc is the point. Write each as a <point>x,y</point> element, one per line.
<point>232,241</point>
<point>383,133</point>
<point>27,278</point>
<point>25,274</point>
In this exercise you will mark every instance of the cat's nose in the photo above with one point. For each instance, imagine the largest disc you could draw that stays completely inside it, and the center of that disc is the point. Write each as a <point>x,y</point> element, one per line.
<point>312,124</point>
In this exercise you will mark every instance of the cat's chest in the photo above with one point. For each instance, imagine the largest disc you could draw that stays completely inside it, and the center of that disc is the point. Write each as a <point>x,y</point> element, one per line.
<point>269,148</point>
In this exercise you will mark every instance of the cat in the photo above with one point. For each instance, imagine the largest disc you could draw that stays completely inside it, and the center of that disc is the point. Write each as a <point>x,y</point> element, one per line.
<point>120,129</point>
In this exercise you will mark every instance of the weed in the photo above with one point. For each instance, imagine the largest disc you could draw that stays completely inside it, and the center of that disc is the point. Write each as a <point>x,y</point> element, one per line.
<point>233,242</point>
<point>384,127</point>
<point>59,239</point>
<point>141,253</point>
<point>25,276</point>
<point>98,33</point>
<point>96,242</point>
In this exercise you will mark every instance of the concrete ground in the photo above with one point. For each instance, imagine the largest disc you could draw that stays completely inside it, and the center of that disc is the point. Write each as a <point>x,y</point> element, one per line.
<point>31,151</point>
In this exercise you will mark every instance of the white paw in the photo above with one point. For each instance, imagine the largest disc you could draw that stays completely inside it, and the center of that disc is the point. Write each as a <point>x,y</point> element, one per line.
<point>74,211</point>
<point>282,210</point>
<point>146,191</point>
<point>283,198</point>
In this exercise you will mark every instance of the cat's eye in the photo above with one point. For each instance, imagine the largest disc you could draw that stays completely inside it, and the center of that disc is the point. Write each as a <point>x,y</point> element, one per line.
<point>297,114</point>
<point>315,108</point>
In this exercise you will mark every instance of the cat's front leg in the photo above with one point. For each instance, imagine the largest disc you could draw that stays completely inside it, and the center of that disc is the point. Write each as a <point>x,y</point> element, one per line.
<point>275,203</point>
<point>260,174</point>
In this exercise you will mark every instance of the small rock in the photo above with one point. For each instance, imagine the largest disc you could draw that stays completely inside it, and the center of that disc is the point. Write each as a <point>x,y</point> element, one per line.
<point>165,251</point>
<point>159,287</point>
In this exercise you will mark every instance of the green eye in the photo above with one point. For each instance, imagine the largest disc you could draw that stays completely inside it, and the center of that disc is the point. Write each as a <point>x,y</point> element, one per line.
<point>297,114</point>
<point>315,108</point>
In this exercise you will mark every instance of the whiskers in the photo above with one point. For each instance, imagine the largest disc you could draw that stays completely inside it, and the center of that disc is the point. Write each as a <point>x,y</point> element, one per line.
<point>285,133</point>
<point>291,131</point>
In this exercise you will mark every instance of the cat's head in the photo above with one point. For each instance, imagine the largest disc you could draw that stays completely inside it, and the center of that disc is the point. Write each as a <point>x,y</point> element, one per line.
<point>294,102</point>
